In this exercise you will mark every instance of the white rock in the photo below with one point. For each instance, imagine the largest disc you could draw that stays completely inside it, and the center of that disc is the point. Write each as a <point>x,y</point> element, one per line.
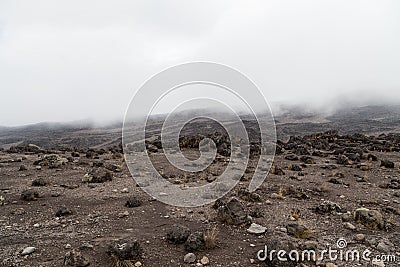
<point>189,258</point>
<point>256,229</point>
<point>204,260</point>
<point>360,237</point>
<point>382,247</point>
<point>349,226</point>
<point>125,190</point>
<point>123,214</point>
<point>28,250</point>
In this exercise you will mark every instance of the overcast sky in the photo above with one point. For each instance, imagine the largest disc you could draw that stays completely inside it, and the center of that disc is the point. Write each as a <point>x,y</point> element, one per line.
<point>72,60</point>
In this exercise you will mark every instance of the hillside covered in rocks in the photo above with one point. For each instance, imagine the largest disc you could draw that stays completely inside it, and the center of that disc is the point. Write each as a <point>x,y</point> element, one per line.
<point>77,206</point>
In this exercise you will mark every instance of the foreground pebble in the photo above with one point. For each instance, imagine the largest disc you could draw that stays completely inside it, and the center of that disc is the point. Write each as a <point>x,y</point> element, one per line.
<point>28,250</point>
<point>205,260</point>
<point>189,258</point>
<point>256,229</point>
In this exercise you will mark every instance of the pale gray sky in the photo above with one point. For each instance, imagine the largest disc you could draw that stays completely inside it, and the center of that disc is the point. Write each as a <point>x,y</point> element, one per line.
<point>71,60</point>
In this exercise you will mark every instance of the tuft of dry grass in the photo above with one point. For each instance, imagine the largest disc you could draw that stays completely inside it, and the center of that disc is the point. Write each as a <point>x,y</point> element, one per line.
<point>307,234</point>
<point>281,192</point>
<point>210,237</point>
<point>391,221</point>
<point>324,188</point>
<point>116,262</point>
<point>296,214</point>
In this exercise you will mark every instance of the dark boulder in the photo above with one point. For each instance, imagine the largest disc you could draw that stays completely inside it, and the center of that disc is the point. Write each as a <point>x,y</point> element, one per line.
<point>387,164</point>
<point>178,234</point>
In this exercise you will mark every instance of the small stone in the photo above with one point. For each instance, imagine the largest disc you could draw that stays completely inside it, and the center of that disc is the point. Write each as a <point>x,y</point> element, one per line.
<point>328,207</point>
<point>178,234</point>
<point>75,258</point>
<point>22,168</point>
<point>252,261</point>
<point>232,213</point>
<point>29,195</point>
<point>63,211</point>
<point>194,242</point>
<point>113,168</point>
<point>310,245</point>
<point>343,160</point>
<point>125,190</point>
<point>28,250</point>
<point>256,229</point>
<point>349,226</point>
<point>372,219</point>
<point>360,237</point>
<point>346,217</point>
<point>86,246</point>
<point>73,186</point>
<point>387,164</point>
<point>68,246</point>
<point>330,264</point>
<point>138,264</point>
<point>97,176</point>
<point>378,263</point>
<point>123,214</point>
<point>189,258</point>
<point>125,250</point>
<point>382,247</point>
<point>36,225</point>
<point>205,260</point>
<point>133,202</point>
<point>18,211</point>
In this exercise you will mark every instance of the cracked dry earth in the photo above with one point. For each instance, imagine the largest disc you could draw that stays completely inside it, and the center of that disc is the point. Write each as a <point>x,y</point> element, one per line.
<point>321,188</point>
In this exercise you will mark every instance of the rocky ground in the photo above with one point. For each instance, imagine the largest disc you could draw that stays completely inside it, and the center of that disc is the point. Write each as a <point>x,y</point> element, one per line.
<point>80,207</point>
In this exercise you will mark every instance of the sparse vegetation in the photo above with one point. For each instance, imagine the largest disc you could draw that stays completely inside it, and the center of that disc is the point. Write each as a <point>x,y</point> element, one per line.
<point>281,193</point>
<point>296,214</point>
<point>285,205</point>
<point>210,237</point>
<point>116,262</point>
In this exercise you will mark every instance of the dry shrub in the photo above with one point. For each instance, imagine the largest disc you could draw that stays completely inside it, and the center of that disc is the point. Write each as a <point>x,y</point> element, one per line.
<point>210,237</point>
